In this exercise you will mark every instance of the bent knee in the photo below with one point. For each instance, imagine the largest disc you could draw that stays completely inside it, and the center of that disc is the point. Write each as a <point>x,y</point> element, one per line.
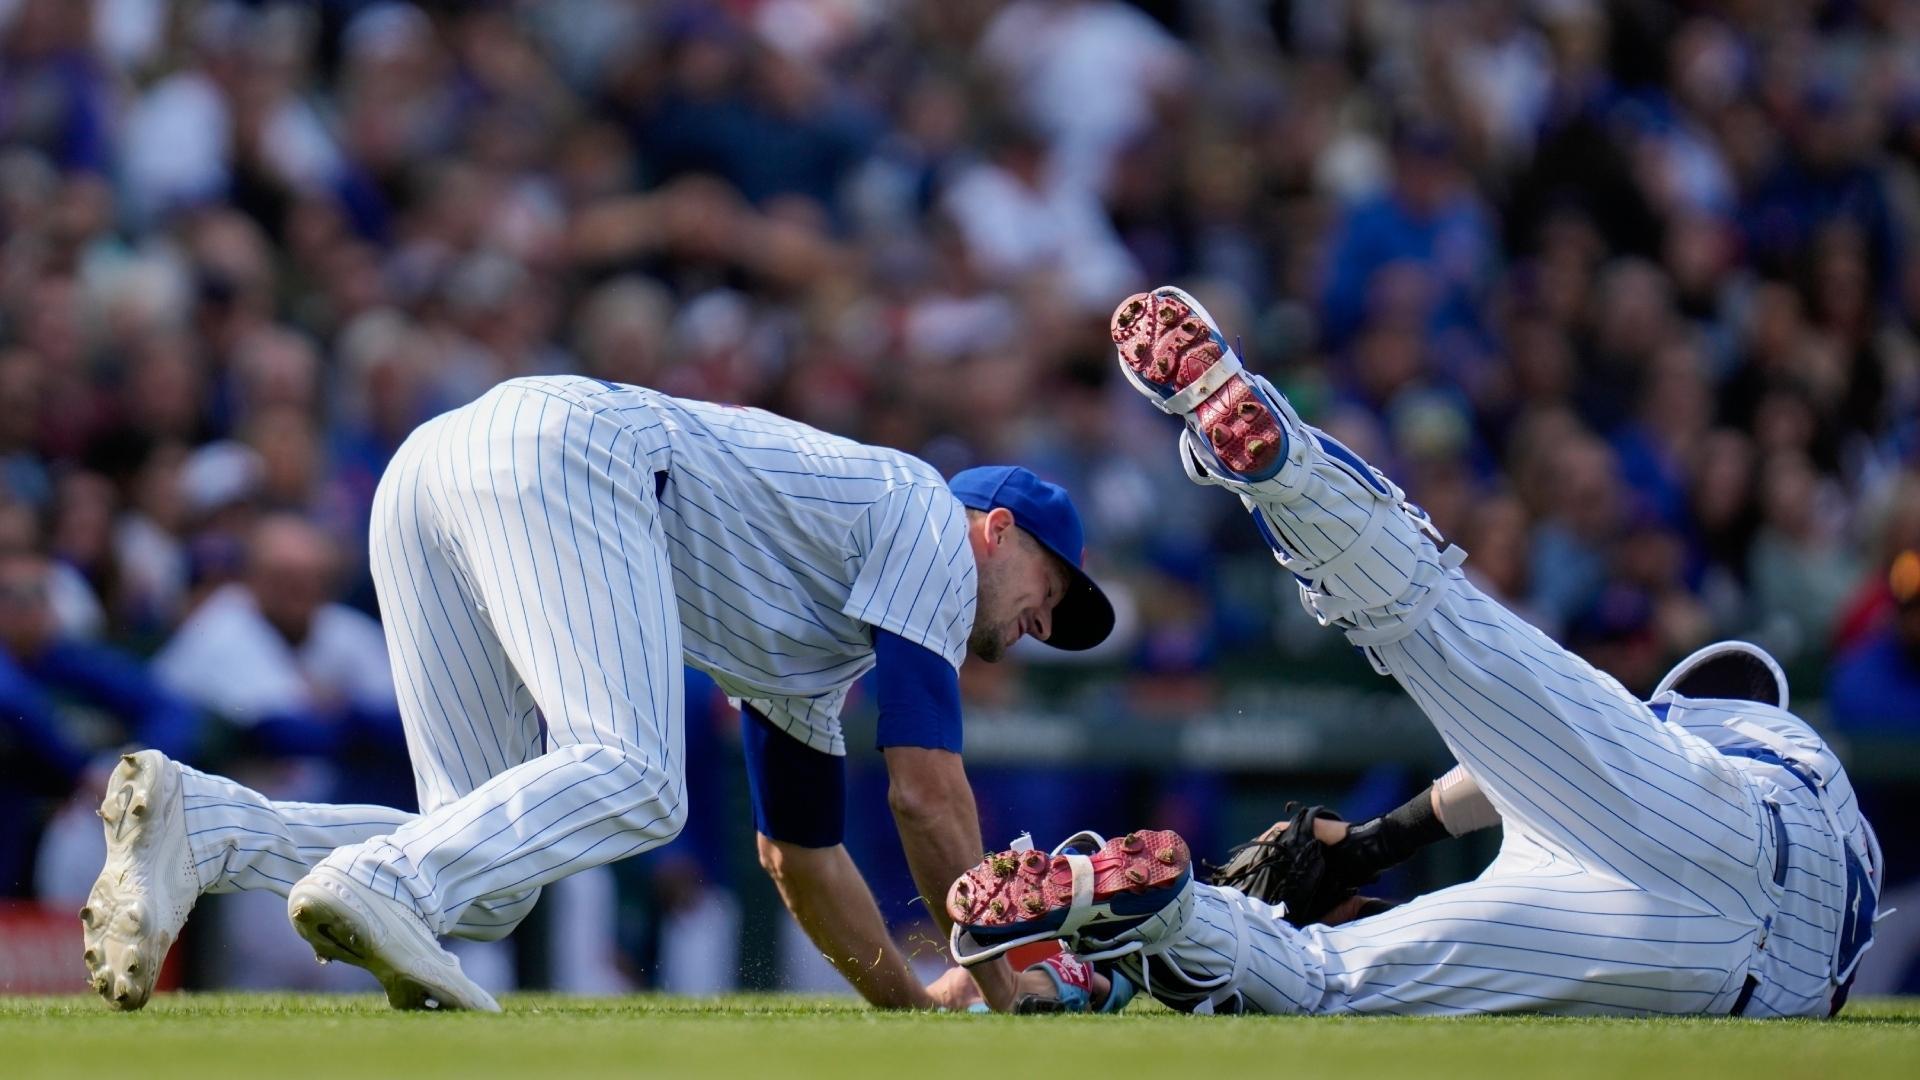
<point>494,918</point>
<point>675,820</point>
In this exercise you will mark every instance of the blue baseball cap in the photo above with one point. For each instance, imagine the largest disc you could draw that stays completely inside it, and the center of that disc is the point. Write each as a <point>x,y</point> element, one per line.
<point>1084,617</point>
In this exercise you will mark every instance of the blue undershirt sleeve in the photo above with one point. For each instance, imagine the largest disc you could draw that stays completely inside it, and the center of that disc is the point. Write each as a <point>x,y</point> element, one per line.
<point>919,695</point>
<point>799,794</point>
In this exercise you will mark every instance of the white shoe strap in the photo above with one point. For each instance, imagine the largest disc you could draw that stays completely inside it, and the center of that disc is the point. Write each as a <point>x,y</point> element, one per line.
<point>1081,908</point>
<point>1203,387</point>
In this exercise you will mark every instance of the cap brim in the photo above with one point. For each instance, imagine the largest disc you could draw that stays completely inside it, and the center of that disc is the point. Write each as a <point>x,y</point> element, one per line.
<point>1083,618</point>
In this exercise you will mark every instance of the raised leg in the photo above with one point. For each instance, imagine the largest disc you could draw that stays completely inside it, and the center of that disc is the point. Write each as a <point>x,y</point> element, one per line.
<point>1569,758</point>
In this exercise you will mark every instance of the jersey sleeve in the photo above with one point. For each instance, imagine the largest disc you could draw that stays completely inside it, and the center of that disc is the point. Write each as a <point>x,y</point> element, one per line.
<point>919,696</point>
<point>799,793</point>
<point>914,574</point>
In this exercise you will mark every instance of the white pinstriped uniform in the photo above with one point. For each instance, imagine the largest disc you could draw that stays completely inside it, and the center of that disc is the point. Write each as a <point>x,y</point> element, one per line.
<point>546,558</point>
<point>1636,873</point>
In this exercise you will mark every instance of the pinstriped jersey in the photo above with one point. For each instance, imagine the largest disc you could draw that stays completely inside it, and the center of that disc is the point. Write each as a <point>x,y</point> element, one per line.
<point>788,544</point>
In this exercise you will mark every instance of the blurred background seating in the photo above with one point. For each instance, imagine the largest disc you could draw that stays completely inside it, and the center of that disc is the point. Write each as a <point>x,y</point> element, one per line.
<point>1625,293</point>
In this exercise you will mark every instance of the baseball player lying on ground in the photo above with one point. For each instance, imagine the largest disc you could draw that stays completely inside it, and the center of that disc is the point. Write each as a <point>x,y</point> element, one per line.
<point>1701,852</point>
<point>546,559</point>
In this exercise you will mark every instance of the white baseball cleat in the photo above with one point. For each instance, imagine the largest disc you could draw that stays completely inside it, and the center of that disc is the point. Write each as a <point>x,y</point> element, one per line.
<point>344,920</point>
<point>1172,351</point>
<point>143,894</point>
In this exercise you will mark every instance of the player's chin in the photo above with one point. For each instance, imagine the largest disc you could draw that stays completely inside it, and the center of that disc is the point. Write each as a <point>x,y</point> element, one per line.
<point>989,647</point>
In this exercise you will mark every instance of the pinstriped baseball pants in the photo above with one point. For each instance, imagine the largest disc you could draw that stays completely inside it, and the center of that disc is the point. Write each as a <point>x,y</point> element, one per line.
<point>527,599</point>
<point>1633,874</point>
<point>1636,869</point>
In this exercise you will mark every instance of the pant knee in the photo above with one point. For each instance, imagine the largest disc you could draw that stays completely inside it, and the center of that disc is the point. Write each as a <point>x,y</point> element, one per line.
<point>667,817</point>
<point>495,918</point>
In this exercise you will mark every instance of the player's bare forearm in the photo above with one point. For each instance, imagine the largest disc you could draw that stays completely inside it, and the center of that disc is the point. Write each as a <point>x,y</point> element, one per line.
<point>940,832</point>
<point>831,902</point>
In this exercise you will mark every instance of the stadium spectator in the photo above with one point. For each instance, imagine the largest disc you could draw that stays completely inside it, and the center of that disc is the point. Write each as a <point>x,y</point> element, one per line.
<point>66,708</point>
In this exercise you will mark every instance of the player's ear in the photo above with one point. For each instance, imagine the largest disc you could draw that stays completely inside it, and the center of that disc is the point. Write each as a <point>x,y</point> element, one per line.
<point>999,526</point>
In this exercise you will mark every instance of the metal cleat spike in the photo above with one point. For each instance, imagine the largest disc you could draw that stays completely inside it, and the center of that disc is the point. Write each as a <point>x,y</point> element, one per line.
<point>1136,875</point>
<point>1165,855</point>
<point>1219,434</point>
<point>1256,446</point>
<point>1130,842</point>
<point>1249,410</point>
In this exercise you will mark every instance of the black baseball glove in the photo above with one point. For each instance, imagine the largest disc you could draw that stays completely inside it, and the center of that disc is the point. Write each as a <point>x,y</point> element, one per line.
<point>1291,866</point>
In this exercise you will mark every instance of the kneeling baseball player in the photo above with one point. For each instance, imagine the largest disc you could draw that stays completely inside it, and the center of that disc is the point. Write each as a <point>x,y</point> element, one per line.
<point>539,661</point>
<point>1701,852</point>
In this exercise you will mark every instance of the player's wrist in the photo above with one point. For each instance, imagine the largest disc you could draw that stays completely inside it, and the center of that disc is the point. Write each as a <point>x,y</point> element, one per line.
<point>1375,846</point>
<point>998,983</point>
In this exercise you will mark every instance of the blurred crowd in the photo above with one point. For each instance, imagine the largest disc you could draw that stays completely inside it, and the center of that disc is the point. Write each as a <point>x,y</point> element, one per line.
<point>1626,293</point>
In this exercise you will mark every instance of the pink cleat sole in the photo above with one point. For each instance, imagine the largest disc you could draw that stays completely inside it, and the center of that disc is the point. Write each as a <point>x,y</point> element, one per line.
<point>1018,892</point>
<point>1169,343</point>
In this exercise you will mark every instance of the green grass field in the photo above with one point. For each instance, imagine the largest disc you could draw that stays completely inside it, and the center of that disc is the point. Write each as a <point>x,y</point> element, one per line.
<point>274,1036</point>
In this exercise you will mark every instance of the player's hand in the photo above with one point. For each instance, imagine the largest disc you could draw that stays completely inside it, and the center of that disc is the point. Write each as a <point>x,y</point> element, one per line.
<point>955,991</point>
<point>1037,993</point>
<point>1283,866</point>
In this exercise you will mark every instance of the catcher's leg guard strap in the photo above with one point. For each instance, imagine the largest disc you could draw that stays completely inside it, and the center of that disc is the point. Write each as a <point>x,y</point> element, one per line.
<point>1366,560</point>
<point>1189,984</point>
<point>1231,980</point>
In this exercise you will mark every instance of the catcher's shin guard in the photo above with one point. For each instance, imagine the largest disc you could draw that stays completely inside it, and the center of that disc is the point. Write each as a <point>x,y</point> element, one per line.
<point>1125,895</point>
<point>1366,559</point>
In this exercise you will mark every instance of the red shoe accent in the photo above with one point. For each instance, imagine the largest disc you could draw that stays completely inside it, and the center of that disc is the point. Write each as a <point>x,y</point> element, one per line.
<point>1026,956</point>
<point>1169,344</point>
<point>999,893</point>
